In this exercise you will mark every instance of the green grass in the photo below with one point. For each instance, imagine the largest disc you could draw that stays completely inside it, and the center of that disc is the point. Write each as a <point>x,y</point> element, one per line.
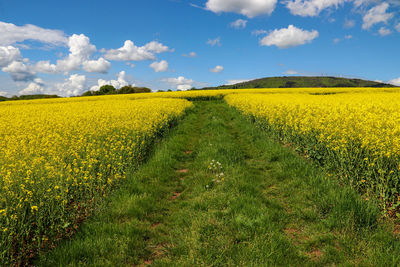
<point>273,208</point>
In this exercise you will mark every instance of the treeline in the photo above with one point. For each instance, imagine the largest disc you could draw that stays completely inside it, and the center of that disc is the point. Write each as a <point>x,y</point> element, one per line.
<point>27,97</point>
<point>110,90</point>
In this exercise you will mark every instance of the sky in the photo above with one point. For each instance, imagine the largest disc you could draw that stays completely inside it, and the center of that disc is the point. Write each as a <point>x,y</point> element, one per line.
<point>69,47</point>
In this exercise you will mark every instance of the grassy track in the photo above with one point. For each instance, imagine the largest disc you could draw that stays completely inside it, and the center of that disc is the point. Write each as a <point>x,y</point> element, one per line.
<point>272,209</point>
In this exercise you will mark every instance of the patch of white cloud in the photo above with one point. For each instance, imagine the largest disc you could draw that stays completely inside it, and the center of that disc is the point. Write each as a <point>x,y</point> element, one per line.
<point>130,52</point>
<point>259,32</point>
<point>161,66</point>
<point>289,37</point>
<point>8,54</point>
<point>349,23</point>
<point>217,69</point>
<point>4,93</point>
<point>395,81</point>
<point>101,65</point>
<point>232,82</point>
<point>397,27</point>
<point>11,34</point>
<point>37,86</point>
<point>191,54</point>
<point>291,72</point>
<point>348,37</point>
<point>384,31</point>
<point>249,8</point>
<point>20,71</point>
<point>239,24</point>
<point>214,42</point>
<point>311,8</point>
<point>180,83</point>
<point>377,15</point>
<point>72,86</point>
<point>120,82</point>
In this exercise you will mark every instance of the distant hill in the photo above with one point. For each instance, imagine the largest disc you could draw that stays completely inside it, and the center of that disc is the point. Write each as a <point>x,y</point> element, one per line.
<point>302,81</point>
<point>27,97</point>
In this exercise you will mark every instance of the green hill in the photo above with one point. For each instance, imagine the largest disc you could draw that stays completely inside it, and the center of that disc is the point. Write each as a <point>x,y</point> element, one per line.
<point>301,81</point>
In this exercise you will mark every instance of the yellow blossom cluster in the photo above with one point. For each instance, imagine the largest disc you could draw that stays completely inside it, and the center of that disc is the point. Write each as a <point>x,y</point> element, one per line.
<point>58,155</point>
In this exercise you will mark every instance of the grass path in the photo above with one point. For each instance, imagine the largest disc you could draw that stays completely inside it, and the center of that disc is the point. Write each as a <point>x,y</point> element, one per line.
<point>273,208</point>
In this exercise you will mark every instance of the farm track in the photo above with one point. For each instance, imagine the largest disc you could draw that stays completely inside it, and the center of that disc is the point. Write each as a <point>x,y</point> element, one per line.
<point>268,207</point>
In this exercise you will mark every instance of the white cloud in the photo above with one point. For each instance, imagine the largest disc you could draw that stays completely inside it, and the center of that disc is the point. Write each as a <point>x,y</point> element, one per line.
<point>80,51</point>
<point>130,64</point>
<point>101,65</point>
<point>20,71</point>
<point>349,23</point>
<point>120,82</point>
<point>249,8</point>
<point>181,83</point>
<point>232,82</point>
<point>130,52</point>
<point>288,37</point>
<point>161,66</point>
<point>336,40</point>
<point>4,93</point>
<point>384,31</point>
<point>311,8</point>
<point>72,86</point>
<point>291,72</point>
<point>8,54</point>
<point>191,54</point>
<point>45,67</point>
<point>217,69</point>
<point>258,32</point>
<point>11,34</point>
<point>239,24</point>
<point>395,81</point>
<point>348,37</point>
<point>397,27</point>
<point>35,87</point>
<point>376,15</point>
<point>214,42</point>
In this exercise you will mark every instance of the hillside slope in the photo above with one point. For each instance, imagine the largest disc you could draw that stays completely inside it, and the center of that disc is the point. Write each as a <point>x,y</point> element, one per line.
<point>302,81</point>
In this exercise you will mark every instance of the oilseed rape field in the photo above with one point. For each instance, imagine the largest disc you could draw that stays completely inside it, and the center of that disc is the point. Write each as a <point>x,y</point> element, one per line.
<point>60,157</point>
<point>57,157</point>
<point>356,134</point>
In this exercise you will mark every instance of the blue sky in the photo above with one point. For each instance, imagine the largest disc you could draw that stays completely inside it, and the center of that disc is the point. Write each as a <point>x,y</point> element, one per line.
<point>68,47</point>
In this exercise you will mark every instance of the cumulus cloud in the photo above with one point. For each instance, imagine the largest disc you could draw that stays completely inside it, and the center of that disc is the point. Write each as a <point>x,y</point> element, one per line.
<point>181,83</point>
<point>8,54</point>
<point>20,71</point>
<point>232,82</point>
<point>120,82</point>
<point>311,8</point>
<point>395,81</point>
<point>101,65</point>
<point>376,15</point>
<point>258,32</point>
<point>214,42</point>
<point>291,72</point>
<point>384,31</point>
<point>239,24</point>
<point>217,69</point>
<point>191,54</point>
<point>72,86</point>
<point>249,8</point>
<point>35,87</point>
<point>80,50</point>
<point>130,52</point>
<point>4,93</point>
<point>11,34</point>
<point>161,66</point>
<point>289,37</point>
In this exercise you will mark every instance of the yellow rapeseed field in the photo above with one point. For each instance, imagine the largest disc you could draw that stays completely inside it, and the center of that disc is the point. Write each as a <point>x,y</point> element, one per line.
<point>58,155</point>
<point>355,132</point>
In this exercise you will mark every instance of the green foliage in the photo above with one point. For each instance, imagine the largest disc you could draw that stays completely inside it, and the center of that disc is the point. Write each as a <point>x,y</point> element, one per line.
<point>106,90</point>
<point>110,90</point>
<point>27,97</point>
<point>302,81</point>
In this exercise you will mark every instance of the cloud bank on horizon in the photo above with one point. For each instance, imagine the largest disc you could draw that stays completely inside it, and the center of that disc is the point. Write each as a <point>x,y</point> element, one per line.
<point>80,65</point>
